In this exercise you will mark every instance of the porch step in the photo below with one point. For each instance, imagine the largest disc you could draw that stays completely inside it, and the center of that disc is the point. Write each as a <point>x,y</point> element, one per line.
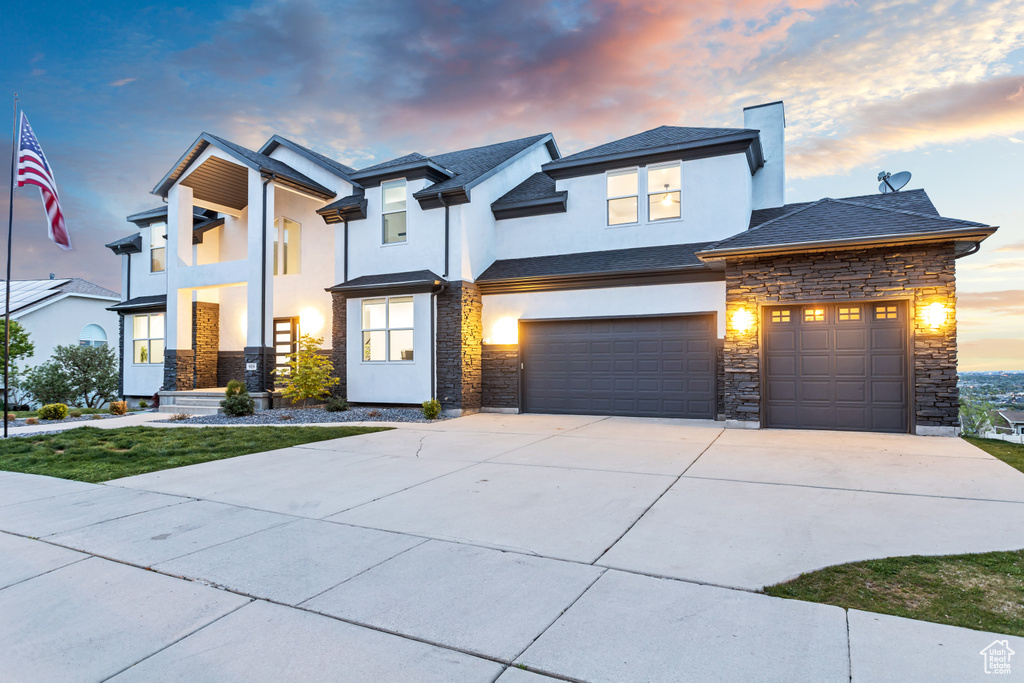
<point>194,400</point>
<point>176,408</point>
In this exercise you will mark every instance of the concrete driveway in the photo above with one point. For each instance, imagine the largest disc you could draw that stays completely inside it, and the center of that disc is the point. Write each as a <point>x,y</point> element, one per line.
<point>580,548</point>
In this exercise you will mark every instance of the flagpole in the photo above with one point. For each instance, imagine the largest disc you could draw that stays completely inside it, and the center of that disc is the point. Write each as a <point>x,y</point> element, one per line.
<point>10,235</point>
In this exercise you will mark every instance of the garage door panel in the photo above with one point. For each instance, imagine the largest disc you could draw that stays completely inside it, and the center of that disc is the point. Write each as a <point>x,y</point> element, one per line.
<point>640,366</point>
<point>841,373</point>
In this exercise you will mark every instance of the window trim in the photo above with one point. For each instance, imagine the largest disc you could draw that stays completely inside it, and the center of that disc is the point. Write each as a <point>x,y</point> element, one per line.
<point>149,339</point>
<point>678,190</point>
<point>82,341</point>
<point>383,213</point>
<point>153,231</point>
<point>387,329</point>
<point>608,199</point>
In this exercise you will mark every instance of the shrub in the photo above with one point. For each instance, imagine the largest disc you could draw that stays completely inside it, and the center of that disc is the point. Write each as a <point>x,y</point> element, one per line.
<point>974,414</point>
<point>74,413</point>
<point>11,417</point>
<point>53,411</point>
<point>178,417</point>
<point>373,413</point>
<point>431,409</point>
<point>89,374</point>
<point>31,421</point>
<point>143,405</point>
<point>237,401</point>
<point>21,406</point>
<point>118,408</point>
<point>336,405</point>
<point>309,372</point>
<point>95,416</point>
<point>48,384</point>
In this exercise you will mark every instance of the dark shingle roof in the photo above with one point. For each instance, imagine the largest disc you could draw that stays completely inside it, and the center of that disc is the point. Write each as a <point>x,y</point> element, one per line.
<point>470,164</point>
<point>412,278</point>
<point>77,285</point>
<point>1012,415</point>
<point>839,220</point>
<point>908,200</point>
<point>344,203</point>
<point>139,303</point>
<point>639,259</point>
<point>415,156</point>
<point>278,168</point>
<point>317,157</point>
<point>538,186</point>
<point>661,136</point>
<point>133,240</point>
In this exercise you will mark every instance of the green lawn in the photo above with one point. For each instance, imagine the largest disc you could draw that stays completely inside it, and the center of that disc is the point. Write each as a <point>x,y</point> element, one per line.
<point>95,455</point>
<point>1010,453</point>
<point>983,591</point>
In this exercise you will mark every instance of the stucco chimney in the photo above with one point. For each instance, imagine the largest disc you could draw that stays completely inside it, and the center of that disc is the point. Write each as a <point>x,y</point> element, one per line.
<point>769,182</point>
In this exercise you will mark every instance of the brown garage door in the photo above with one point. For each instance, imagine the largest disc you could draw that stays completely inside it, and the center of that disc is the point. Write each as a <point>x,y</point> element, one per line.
<point>655,367</point>
<point>837,366</point>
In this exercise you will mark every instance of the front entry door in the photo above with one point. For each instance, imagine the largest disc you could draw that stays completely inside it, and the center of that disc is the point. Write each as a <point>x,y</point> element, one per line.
<point>286,339</point>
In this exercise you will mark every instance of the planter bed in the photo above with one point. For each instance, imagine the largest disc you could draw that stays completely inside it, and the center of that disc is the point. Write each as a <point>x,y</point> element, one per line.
<point>313,415</point>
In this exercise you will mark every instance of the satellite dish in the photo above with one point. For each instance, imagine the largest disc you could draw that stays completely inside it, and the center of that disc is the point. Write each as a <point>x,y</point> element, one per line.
<point>892,182</point>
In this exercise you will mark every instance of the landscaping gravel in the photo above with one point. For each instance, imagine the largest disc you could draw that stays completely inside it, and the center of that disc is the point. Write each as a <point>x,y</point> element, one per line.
<point>312,415</point>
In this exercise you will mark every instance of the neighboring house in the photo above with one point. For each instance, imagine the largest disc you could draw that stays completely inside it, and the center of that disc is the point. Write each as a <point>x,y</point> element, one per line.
<point>59,312</point>
<point>1014,419</point>
<point>657,275</point>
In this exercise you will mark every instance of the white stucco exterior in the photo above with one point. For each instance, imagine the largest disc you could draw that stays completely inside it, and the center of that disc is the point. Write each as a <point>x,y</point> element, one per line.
<point>60,322</point>
<point>390,382</point>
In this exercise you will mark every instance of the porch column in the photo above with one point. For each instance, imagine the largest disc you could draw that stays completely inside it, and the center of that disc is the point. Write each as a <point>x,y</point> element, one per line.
<point>259,355</point>
<point>179,359</point>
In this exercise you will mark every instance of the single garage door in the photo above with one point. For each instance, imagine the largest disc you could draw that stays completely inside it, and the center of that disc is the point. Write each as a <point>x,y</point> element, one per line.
<point>654,366</point>
<point>837,366</point>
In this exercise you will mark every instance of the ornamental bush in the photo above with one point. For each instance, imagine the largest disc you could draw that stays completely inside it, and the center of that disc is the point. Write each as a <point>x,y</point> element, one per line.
<point>431,409</point>
<point>118,407</point>
<point>53,411</point>
<point>309,372</point>
<point>336,405</point>
<point>237,401</point>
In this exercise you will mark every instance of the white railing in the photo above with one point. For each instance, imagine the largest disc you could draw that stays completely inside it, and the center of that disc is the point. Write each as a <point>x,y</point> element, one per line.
<point>1012,438</point>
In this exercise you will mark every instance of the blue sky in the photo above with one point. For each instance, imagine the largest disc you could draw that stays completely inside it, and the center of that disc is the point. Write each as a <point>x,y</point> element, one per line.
<point>117,91</point>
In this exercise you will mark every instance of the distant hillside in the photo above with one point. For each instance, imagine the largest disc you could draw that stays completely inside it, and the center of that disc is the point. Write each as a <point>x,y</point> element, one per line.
<point>1003,389</point>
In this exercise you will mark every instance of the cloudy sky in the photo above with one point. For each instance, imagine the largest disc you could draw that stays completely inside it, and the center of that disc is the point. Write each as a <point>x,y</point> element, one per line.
<point>116,91</point>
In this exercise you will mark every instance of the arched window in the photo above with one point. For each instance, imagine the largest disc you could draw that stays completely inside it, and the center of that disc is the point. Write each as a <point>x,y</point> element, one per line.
<point>92,335</point>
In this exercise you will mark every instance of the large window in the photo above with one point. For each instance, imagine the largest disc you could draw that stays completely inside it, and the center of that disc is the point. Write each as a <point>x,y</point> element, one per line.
<point>388,329</point>
<point>157,248</point>
<point>92,335</point>
<point>622,196</point>
<point>148,338</point>
<point>287,246</point>
<point>663,192</point>
<point>393,193</point>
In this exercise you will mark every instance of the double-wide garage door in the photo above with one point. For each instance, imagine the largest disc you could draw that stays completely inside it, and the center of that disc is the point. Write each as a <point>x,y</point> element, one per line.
<point>653,366</point>
<point>837,366</point>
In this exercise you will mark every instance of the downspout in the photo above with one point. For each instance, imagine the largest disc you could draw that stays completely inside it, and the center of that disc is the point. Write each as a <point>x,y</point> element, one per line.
<point>344,273</point>
<point>440,198</point>
<point>128,287</point>
<point>973,250</point>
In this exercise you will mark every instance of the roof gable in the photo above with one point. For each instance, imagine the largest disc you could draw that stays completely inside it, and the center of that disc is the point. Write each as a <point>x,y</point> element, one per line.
<point>337,168</point>
<point>908,200</point>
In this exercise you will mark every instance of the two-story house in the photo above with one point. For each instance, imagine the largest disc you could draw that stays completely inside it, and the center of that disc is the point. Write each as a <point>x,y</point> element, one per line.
<point>657,275</point>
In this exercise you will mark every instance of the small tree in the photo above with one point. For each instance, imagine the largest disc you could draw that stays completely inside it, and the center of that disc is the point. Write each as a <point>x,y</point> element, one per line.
<point>91,371</point>
<point>47,384</point>
<point>21,346</point>
<point>309,372</point>
<point>974,414</point>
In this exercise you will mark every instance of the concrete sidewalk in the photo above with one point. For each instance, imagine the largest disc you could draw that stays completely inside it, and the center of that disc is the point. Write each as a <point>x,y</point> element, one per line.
<point>580,548</point>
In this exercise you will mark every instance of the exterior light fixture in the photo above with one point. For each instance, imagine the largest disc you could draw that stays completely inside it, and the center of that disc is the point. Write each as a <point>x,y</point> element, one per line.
<point>935,315</point>
<point>505,331</point>
<point>743,320</point>
<point>310,321</point>
<point>667,201</point>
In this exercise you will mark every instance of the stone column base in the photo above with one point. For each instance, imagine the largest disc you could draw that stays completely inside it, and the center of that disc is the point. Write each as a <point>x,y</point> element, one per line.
<point>261,361</point>
<point>935,430</point>
<point>742,424</point>
<point>179,369</point>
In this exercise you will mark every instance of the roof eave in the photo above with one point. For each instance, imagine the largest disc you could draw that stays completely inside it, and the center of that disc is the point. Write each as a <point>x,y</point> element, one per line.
<point>531,207</point>
<point>972,234</point>
<point>747,142</point>
<point>420,168</point>
<point>277,141</point>
<point>353,212</point>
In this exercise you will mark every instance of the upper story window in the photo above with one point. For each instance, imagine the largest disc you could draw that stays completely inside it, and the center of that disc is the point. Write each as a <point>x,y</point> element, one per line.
<point>393,193</point>
<point>92,335</point>
<point>663,197</point>
<point>287,246</point>
<point>388,329</point>
<point>157,248</point>
<point>622,196</point>
<point>148,338</point>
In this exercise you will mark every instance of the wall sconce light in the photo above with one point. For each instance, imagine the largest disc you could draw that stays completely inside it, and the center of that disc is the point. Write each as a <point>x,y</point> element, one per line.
<point>743,320</point>
<point>310,321</point>
<point>935,315</point>
<point>504,331</point>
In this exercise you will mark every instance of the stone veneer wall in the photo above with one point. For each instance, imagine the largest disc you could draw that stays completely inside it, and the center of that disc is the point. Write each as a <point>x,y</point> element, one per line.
<point>179,369</point>
<point>120,355</point>
<point>459,342</point>
<point>920,274</point>
<point>230,365</point>
<point>262,378</point>
<point>499,376</point>
<point>339,339</point>
<point>205,342</point>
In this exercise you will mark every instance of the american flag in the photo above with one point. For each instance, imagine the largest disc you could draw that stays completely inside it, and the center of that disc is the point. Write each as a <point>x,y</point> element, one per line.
<point>33,170</point>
